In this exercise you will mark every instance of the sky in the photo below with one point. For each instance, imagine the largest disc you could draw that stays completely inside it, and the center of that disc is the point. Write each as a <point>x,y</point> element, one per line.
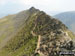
<point>49,6</point>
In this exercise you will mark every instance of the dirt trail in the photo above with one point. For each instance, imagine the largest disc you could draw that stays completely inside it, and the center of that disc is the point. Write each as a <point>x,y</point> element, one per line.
<point>38,43</point>
<point>39,39</point>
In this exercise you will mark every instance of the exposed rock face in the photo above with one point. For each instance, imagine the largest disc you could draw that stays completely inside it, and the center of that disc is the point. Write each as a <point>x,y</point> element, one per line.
<point>48,46</point>
<point>52,36</point>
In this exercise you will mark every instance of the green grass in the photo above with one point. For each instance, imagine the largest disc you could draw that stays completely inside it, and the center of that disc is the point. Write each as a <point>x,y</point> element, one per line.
<point>23,43</point>
<point>27,49</point>
<point>71,34</point>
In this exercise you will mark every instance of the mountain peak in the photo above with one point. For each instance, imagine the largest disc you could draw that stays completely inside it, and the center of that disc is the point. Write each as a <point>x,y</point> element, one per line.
<point>32,9</point>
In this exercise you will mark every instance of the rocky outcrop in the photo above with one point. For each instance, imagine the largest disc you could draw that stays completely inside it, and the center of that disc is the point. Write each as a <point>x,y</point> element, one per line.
<point>52,36</point>
<point>48,46</point>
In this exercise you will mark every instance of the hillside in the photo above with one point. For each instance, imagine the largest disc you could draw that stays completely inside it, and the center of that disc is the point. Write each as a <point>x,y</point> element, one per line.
<point>68,18</point>
<point>32,32</point>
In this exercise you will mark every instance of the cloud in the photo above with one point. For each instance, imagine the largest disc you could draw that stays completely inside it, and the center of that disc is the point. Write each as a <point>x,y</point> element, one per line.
<point>41,4</point>
<point>2,2</point>
<point>52,5</point>
<point>47,5</point>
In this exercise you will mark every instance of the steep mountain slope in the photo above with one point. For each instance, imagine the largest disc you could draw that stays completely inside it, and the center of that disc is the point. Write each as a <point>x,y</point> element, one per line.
<point>11,24</point>
<point>68,18</point>
<point>33,33</point>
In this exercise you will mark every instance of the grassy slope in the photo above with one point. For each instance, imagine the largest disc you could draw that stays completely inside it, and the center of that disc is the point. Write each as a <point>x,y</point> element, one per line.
<point>3,27</point>
<point>10,25</point>
<point>22,43</point>
<point>71,34</point>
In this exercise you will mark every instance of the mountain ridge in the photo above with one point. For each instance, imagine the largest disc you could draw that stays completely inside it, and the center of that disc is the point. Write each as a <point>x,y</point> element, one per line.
<point>34,33</point>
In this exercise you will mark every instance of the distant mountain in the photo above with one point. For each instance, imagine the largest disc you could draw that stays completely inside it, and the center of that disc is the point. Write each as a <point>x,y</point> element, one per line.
<point>68,18</point>
<point>34,33</point>
<point>52,13</point>
<point>2,15</point>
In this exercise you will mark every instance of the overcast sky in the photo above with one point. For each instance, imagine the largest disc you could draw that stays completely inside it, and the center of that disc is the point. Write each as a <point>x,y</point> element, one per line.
<point>13,6</point>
